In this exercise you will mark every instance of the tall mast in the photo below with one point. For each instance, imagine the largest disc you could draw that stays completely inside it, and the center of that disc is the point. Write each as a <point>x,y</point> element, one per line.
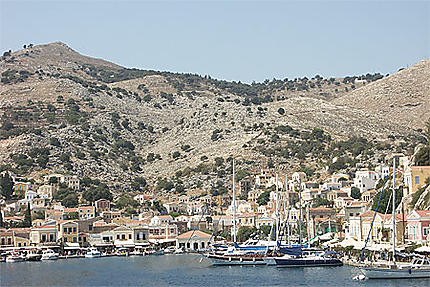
<point>288,210</point>
<point>300,212</point>
<point>277,210</point>
<point>394,210</point>
<point>234,205</point>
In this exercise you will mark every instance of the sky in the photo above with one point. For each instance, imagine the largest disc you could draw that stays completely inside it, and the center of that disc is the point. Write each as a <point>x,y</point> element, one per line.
<point>232,40</point>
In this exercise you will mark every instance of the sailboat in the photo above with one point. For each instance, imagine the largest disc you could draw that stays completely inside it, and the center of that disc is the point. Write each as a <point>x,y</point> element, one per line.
<point>419,266</point>
<point>236,254</point>
<point>304,258</point>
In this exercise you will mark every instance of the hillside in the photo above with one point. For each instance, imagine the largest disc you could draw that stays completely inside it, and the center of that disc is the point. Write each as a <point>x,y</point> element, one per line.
<point>60,110</point>
<point>403,97</point>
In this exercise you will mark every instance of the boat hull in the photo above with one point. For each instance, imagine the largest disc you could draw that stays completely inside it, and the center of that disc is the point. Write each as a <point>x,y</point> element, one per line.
<point>33,257</point>
<point>224,260</point>
<point>382,273</point>
<point>92,255</point>
<point>307,262</point>
<point>14,259</point>
<point>50,257</point>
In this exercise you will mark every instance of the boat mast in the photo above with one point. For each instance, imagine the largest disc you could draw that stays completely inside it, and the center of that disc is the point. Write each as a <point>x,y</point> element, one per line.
<point>234,205</point>
<point>300,212</point>
<point>394,210</point>
<point>277,210</point>
<point>288,210</point>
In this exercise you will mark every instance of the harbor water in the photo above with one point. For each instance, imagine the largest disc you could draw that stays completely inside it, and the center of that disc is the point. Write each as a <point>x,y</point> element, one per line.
<point>177,270</point>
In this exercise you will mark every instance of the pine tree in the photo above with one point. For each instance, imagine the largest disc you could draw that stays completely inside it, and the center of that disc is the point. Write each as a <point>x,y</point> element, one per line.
<point>27,216</point>
<point>1,219</point>
<point>6,185</point>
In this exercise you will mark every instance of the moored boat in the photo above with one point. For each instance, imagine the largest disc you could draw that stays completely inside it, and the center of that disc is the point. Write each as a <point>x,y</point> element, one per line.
<point>418,268</point>
<point>307,261</point>
<point>15,257</point>
<point>93,253</point>
<point>231,259</point>
<point>122,252</point>
<point>49,254</point>
<point>33,256</point>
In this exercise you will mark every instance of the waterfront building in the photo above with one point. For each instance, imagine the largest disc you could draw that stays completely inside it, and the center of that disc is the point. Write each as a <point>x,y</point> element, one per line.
<point>365,180</point>
<point>44,235</point>
<point>123,237</point>
<point>102,205</point>
<point>264,221</point>
<point>415,177</point>
<point>20,188</point>
<point>7,238</point>
<point>194,240</point>
<point>418,225</point>
<point>68,231</point>
<point>86,212</point>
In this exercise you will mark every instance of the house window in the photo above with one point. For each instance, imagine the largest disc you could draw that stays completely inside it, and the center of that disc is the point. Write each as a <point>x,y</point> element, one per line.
<point>65,239</point>
<point>43,237</point>
<point>129,236</point>
<point>123,236</point>
<point>417,180</point>
<point>426,231</point>
<point>117,236</point>
<point>74,239</point>
<point>74,229</point>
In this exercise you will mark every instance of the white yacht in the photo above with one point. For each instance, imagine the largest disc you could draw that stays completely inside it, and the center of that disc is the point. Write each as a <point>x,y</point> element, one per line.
<point>418,268</point>
<point>93,253</point>
<point>49,254</point>
<point>15,257</point>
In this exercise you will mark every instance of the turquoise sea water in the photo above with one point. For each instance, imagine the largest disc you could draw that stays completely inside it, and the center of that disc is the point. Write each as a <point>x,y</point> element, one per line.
<point>177,270</point>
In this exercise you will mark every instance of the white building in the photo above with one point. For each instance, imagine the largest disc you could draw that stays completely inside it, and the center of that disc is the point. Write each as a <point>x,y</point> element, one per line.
<point>365,180</point>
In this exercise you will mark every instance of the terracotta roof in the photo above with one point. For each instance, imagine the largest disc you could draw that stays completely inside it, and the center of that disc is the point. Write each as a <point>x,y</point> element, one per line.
<point>423,213</point>
<point>197,234</point>
<point>45,226</point>
<point>369,213</point>
<point>70,209</point>
<point>164,217</point>
<point>86,207</point>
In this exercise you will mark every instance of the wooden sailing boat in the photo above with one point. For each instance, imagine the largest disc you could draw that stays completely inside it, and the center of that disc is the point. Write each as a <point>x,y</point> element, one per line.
<point>235,255</point>
<point>418,268</point>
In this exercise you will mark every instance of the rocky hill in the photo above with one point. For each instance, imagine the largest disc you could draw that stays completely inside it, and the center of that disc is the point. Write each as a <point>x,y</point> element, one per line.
<point>60,110</point>
<point>403,97</point>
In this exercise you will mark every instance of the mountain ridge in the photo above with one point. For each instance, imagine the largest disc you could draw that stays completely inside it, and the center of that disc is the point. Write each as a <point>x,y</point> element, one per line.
<point>116,123</point>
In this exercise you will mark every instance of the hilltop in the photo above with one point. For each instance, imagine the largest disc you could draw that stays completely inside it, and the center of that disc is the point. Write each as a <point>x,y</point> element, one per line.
<point>61,110</point>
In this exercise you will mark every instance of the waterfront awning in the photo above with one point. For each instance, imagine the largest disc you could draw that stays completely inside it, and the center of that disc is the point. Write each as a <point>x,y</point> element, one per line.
<point>351,242</point>
<point>326,236</point>
<point>70,245</point>
<point>124,243</point>
<point>159,241</point>
<point>102,244</point>
<point>142,244</point>
<point>331,242</point>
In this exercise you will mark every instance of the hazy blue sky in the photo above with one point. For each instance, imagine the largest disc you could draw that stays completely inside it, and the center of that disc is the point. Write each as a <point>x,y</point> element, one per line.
<point>237,40</point>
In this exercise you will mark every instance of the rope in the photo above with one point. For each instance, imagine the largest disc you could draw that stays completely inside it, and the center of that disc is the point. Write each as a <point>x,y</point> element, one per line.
<point>373,220</point>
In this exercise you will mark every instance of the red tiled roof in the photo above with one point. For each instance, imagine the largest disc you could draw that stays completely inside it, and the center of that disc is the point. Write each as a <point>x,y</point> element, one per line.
<point>45,226</point>
<point>195,233</point>
<point>423,213</point>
